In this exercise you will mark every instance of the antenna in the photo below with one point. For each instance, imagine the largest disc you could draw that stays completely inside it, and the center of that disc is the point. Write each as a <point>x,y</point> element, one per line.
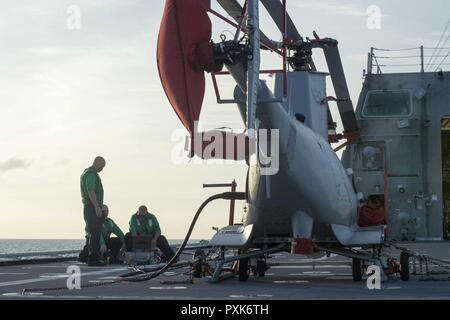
<point>439,46</point>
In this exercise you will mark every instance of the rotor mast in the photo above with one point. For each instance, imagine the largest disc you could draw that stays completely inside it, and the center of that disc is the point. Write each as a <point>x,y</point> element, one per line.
<point>300,59</point>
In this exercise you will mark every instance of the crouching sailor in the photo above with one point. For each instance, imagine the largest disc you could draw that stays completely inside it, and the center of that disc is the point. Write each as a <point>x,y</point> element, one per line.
<point>143,223</point>
<point>110,247</point>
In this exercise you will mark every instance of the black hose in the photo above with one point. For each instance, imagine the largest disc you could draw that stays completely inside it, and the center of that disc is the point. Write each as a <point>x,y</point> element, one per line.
<point>148,270</point>
<point>224,195</point>
<point>144,276</point>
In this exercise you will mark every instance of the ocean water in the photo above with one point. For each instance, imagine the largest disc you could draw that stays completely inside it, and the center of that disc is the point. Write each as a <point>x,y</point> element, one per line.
<point>10,246</point>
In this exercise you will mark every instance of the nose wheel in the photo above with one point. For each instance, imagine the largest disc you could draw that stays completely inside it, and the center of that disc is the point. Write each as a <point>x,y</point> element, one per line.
<point>197,268</point>
<point>404,266</point>
<point>356,269</point>
<point>243,269</point>
<point>261,268</point>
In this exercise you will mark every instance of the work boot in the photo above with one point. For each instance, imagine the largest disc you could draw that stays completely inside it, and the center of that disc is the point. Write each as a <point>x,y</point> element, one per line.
<point>114,260</point>
<point>82,257</point>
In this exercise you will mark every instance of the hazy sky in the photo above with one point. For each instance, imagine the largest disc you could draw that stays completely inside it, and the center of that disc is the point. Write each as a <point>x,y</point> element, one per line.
<point>69,95</point>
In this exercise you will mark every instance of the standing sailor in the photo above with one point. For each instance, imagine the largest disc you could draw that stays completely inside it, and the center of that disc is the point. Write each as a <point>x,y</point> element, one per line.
<point>92,197</point>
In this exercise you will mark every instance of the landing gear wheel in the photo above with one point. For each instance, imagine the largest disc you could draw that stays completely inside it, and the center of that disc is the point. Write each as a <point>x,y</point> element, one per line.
<point>404,266</point>
<point>356,269</point>
<point>244,270</point>
<point>261,268</point>
<point>197,269</point>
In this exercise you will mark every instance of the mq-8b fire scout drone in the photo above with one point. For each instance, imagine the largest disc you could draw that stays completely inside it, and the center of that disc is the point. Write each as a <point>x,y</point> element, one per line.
<point>309,204</point>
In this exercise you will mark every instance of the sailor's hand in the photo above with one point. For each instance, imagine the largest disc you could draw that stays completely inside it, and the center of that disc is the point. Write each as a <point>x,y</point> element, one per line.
<point>103,249</point>
<point>153,243</point>
<point>98,211</point>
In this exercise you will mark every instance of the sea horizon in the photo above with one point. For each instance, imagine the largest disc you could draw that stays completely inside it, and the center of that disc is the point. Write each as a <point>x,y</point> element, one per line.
<point>20,245</point>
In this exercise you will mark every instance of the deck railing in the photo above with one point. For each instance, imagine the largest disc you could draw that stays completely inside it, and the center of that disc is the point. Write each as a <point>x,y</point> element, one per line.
<point>423,59</point>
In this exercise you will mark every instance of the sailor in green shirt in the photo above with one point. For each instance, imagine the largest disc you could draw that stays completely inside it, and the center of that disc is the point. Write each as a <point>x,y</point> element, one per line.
<point>111,246</point>
<point>92,197</point>
<point>143,223</point>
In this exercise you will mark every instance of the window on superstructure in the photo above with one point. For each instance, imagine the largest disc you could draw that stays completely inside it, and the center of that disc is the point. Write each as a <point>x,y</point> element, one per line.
<point>387,103</point>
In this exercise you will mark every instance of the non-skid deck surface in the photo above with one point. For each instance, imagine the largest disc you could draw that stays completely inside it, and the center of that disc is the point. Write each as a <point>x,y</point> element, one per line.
<point>290,277</point>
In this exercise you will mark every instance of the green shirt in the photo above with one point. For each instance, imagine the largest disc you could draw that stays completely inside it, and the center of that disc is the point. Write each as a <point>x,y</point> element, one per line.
<point>90,180</point>
<point>109,226</point>
<point>147,225</point>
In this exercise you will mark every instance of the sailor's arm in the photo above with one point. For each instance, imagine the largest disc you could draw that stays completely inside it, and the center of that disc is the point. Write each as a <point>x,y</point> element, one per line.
<point>93,198</point>
<point>102,240</point>
<point>103,247</point>
<point>157,233</point>
<point>155,238</point>
<point>117,232</point>
<point>133,227</point>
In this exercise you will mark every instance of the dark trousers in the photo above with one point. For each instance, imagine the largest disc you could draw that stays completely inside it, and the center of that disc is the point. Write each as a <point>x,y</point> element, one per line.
<point>114,245</point>
<point>161,243</point>
<point>84,253</point>
<point>94,228</point>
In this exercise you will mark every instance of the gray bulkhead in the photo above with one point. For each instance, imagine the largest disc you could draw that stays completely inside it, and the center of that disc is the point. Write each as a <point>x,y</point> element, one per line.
<point>400,119</point>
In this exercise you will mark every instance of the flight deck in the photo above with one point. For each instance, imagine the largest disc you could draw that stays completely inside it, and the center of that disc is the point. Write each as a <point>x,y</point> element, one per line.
<point>289,277</point>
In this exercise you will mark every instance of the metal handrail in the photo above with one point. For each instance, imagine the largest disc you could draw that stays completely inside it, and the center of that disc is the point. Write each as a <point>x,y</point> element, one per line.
<point>373,59</point>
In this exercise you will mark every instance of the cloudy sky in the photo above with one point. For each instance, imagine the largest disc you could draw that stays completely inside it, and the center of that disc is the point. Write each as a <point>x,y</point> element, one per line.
<point>69,95</point>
